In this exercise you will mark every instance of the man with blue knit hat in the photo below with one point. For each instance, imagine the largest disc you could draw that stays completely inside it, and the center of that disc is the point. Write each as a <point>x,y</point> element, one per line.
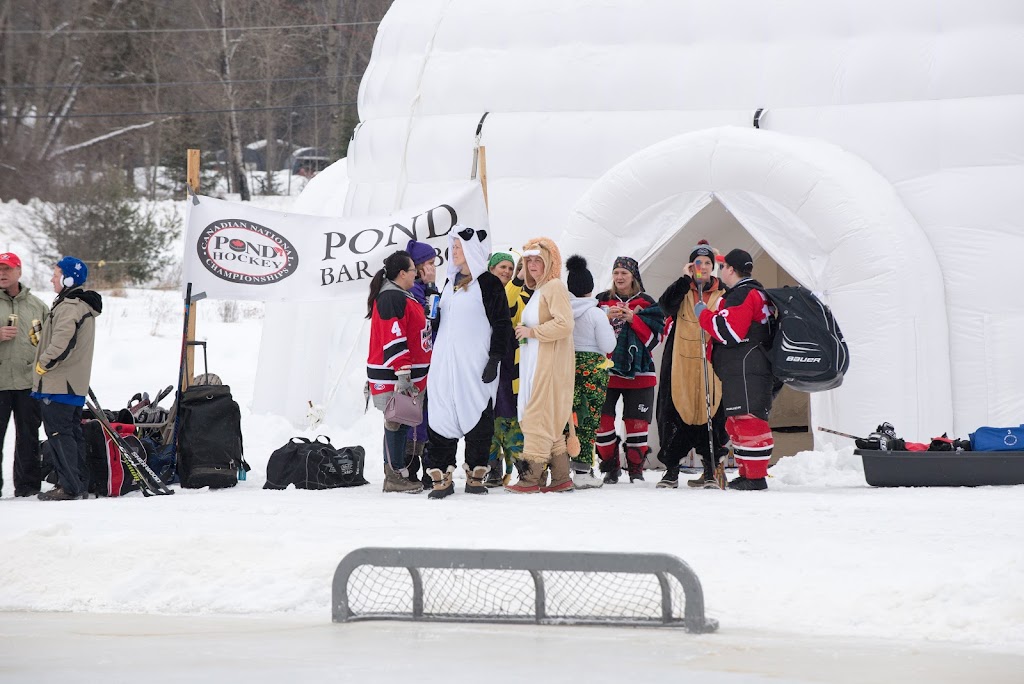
<point>63,368</point>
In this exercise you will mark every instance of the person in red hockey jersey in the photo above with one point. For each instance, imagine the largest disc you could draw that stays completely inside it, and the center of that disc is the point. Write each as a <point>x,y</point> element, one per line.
<point>399,356</point>
<point>739,336</point>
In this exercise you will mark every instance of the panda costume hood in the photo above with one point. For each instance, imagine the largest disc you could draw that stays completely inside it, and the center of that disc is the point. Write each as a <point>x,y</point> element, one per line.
<point>474,327</point>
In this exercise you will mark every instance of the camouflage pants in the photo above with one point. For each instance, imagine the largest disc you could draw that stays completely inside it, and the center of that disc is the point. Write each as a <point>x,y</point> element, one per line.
<point>507,442</point>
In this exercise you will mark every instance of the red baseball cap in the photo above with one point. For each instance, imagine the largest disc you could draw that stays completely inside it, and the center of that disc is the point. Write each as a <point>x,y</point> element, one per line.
<point>10,259</point>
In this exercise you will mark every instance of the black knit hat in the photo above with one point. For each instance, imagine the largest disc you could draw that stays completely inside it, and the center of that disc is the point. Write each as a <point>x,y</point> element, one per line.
<point>702,249</point>
<point>580,281</point>
<point>740,260</point>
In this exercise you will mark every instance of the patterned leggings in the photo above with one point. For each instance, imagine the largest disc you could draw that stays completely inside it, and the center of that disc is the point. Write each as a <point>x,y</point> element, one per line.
<point>587,400</point>
<point>507,442</point>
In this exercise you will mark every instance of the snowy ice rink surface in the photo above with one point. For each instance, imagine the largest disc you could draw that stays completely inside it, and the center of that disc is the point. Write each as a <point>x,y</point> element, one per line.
<point>59,647</point>
<point>859,577</point>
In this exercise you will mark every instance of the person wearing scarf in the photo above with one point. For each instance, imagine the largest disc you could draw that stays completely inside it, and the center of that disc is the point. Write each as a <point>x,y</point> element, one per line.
<point>638,322</point>
<point>682,410</point>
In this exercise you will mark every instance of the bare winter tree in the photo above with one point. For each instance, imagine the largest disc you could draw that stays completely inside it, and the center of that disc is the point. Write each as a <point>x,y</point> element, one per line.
<point>90,85</point>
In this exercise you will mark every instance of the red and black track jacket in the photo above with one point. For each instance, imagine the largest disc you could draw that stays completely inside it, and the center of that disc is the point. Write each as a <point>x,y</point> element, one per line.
<point>399,337</point>
<point>648,338</point>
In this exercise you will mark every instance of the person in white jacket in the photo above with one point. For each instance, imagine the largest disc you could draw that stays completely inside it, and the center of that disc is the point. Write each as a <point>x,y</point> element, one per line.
<point>473,331</point>
<point>593,338</point>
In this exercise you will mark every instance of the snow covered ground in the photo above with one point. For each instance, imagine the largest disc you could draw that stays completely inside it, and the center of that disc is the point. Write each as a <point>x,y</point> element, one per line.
<point>820,555</point>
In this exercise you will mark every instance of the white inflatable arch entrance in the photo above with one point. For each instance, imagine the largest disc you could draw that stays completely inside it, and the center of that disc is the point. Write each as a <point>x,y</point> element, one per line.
<point>826,217</point>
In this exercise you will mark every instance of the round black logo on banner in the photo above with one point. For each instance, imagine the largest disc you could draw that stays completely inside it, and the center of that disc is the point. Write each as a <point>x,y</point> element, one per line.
<point>245,252</point>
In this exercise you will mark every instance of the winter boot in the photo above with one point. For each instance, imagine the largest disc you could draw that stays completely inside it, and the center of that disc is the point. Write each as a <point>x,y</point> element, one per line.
<point>586,480</point>
<point>707,476</point>
<point>635,463</point>
<point>442,482</point>
<point>560,478</point>
<point>398,481</point>
<point>583,476</point>
<point>475,479</point>
<point>610,468</point>
<point>495,478</point>
<point>744,484</point>
<point>58,494</point>
<point>670,480</point>
<point>529,478</point>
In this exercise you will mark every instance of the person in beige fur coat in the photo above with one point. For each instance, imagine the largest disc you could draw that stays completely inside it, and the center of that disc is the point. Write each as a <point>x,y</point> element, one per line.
<point>546,371</point>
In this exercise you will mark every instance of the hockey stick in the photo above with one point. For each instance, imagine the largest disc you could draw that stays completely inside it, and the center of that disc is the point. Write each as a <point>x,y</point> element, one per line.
<point>181,371</point>
<point>147,479</point>
<point>836,432</point>
<point>719,464</point>
<point>161,395</point>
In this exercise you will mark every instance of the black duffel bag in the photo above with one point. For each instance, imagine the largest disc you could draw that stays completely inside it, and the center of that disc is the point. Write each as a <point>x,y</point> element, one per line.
<point>209,438</point>
<point>315,464</point>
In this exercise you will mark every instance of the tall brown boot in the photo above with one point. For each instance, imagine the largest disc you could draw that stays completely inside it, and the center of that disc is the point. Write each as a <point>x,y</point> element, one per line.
<point>561,480</point>
<point>529,478</point>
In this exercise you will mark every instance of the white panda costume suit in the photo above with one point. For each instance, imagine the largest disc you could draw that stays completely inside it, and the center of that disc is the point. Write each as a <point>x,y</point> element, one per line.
<point>473,332</point>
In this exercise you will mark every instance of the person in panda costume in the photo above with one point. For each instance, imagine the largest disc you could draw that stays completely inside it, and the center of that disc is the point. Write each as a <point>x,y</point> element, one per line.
<point>473,332</point>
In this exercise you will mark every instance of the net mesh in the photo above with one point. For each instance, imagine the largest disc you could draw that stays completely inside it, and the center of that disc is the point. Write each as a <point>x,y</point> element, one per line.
<point>510,594</point>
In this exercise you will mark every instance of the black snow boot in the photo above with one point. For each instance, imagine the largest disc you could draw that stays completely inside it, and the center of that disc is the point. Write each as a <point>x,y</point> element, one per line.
<point>610,468</point>
<point>749,485</point>
<point>670,480</point>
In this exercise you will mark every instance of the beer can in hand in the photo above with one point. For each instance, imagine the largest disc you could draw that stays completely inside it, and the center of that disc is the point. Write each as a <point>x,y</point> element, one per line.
<point>433,303</point>
<point>12,319</point>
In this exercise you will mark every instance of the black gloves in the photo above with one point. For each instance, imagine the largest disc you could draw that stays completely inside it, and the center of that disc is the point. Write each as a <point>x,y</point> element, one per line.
<point>490,370</point>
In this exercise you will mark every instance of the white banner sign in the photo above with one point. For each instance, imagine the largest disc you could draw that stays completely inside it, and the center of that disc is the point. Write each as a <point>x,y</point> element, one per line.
<point>234,250</point>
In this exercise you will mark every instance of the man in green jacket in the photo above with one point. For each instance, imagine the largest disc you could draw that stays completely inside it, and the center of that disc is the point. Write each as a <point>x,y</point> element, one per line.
<point>63,368</point>
<point>18,308</point>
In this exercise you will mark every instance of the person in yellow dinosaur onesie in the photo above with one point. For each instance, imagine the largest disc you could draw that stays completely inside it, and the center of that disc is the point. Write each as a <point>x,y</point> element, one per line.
<point>546,370</point>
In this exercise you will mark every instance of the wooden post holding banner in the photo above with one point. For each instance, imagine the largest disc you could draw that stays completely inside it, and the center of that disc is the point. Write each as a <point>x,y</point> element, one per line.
<point>482,164</point>
<point>192,178</point>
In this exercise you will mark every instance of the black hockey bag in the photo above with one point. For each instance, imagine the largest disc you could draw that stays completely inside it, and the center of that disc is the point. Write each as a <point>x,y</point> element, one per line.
<point>314,465</point>
<point>808,352</point>
<point>209,450</point>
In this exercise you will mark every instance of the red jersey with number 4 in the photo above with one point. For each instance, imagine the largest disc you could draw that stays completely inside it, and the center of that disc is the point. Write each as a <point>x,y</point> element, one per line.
<point>399,337</point>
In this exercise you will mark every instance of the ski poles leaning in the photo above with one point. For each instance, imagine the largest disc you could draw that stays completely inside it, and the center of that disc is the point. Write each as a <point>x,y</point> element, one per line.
<point>148,481</point>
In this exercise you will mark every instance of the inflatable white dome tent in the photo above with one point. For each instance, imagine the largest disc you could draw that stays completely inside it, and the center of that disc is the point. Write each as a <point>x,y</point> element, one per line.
<point>886,172</point>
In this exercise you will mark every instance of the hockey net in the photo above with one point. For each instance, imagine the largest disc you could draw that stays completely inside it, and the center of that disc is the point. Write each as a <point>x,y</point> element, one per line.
<point>546,595</point>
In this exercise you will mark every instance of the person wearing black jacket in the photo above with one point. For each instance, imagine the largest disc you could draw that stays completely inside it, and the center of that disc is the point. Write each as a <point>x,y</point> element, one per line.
<point>682,406</point>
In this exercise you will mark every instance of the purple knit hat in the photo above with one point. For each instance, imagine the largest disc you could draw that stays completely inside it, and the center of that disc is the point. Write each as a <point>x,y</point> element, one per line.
<point>420,252</point>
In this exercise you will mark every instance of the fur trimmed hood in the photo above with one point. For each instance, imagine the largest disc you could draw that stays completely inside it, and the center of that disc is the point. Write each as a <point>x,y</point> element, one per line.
<point>549,252</point>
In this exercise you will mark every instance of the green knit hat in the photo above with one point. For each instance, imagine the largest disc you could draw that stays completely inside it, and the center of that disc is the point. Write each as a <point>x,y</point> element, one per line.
<point>498,257</point>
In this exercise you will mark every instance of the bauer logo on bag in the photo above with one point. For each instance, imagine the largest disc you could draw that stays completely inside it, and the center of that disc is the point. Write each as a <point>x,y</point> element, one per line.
<point>245,252</point>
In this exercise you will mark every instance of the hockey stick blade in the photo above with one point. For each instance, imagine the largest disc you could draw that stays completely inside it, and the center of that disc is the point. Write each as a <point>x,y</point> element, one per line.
<point>161,395</point>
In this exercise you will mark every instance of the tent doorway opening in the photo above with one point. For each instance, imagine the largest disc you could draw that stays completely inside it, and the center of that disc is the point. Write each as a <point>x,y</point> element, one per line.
<point>791,414</point>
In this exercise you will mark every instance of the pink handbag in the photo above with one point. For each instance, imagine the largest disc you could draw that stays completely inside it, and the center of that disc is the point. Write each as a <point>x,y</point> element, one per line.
<point>404,409</point>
